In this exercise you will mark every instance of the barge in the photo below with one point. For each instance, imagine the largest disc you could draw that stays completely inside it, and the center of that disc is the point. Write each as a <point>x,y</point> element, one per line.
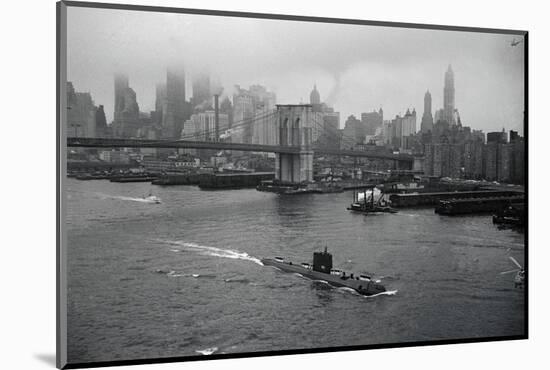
<point>234,180</point>
<point>177,179</point>
<point>432,199</point>
<point>476,205</point>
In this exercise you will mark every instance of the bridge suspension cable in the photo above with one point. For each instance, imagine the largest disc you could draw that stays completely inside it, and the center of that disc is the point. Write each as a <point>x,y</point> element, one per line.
<point>334,134</point>
<point>236,125</point>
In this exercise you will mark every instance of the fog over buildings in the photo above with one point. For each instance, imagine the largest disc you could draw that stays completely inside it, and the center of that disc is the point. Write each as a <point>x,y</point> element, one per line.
<point>355,68</point>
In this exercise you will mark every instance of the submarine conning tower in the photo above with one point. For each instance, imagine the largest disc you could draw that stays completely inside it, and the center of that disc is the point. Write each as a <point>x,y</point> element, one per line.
<point>322,261</point>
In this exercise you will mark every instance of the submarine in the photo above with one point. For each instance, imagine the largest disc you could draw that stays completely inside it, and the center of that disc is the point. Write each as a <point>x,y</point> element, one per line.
<point>322,270</point>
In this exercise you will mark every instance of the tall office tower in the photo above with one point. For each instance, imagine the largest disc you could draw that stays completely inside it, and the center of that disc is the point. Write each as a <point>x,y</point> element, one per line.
<point>330,136</point>
<point>81,115</point>
<point>372,121</point>
<point>408,126</point>
<point>353,133</point>
<point>473,159</point>
<point>174,110</point>
<point>314,97</point>
<point>100,122</point>
<point>243,112</point>
<point>497,137</point>
<point>126,114</point>
<point>250,107</point>
<point>227,108</point>
<point>427,118</point>
<point>449,97</point>
<point>202,126</point>
<point>121,84</point>
<point>160,98</point>
<point>202,96</point>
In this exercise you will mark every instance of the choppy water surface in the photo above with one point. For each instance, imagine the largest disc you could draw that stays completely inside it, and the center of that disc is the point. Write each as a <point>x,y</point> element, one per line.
<point>184,277</point>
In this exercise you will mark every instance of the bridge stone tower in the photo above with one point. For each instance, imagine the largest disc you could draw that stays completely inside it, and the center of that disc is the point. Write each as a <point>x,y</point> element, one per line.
<point>294,127</point>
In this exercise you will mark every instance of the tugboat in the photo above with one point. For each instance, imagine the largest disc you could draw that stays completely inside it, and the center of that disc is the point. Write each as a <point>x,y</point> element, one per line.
<point>369,206</point>
<point>322,270</point>
<point>513,215</point>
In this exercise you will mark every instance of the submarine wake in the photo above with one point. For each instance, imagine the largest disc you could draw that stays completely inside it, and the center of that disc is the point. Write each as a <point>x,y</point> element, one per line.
<point>216,252</point>
<point>354,292</point>
<point>173,273</point>
<point>389,292</point>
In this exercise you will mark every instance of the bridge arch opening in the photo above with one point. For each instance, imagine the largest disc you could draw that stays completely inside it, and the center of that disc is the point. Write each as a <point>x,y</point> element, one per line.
<point>296,132</point>
<point>283,132</point>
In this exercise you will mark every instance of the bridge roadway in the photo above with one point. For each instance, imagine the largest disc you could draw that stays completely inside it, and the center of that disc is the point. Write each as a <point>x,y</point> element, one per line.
<point>186,144</point>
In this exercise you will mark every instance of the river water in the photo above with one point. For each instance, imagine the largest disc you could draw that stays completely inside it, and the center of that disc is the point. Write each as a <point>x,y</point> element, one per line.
<point>183,278</point>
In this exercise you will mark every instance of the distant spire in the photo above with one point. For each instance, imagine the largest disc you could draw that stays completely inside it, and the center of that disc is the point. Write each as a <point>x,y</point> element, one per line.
<point>314,97</point>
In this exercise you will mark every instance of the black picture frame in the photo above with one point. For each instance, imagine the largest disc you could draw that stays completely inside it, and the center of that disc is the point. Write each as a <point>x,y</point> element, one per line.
<point>61,245</point>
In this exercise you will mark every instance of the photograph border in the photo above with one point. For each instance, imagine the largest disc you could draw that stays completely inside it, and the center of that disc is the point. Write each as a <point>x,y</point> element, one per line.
<point>61,240</point>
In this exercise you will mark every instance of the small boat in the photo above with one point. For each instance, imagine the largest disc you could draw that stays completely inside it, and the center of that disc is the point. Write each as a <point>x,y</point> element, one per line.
<point>152,199</point>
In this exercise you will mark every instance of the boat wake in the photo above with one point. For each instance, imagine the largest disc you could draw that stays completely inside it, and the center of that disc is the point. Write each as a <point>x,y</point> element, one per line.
<point>130,199</point>
<point>216,252</point>
<point>207,351</point>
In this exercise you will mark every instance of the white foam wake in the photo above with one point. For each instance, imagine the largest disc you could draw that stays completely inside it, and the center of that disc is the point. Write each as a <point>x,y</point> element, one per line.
<point>345,289</point>
<point>207,351</point>
<point>218,252</point>
<point>321,281</point>
<point>121,197</point>
<point>353,291</point>
<point>388,292</point>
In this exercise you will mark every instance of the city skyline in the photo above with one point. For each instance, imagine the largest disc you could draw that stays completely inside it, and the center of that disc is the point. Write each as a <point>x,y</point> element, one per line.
<point>392,72</point>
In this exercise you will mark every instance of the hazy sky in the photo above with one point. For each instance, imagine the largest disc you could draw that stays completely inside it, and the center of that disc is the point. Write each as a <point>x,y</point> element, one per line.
<point>356,68</point>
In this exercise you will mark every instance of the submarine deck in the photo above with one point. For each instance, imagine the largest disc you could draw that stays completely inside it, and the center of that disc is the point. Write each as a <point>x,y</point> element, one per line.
<point>366,287</point>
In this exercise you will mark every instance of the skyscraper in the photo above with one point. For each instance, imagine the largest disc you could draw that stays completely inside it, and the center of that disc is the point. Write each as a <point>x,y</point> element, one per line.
<point>314,97</point>
<point>121,84</point>
<point>427,118</point>
<point>174,109</point>
<point>249,108</point>
<point>449,96</point>
<point>81,115</point>
<point>372,121</point>
<point>100,122</point>
<point>160,99</point>
<point>126,115</point>
<point>201,99</point>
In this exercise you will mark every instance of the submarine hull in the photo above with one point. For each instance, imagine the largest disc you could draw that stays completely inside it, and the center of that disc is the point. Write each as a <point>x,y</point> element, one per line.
<point>364,287</point>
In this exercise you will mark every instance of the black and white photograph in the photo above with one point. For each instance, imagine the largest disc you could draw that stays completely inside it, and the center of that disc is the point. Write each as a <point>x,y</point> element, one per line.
<point>237,184</point>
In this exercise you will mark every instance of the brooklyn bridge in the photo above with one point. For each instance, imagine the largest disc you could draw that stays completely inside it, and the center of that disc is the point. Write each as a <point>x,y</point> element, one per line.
<point>294,151</point>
